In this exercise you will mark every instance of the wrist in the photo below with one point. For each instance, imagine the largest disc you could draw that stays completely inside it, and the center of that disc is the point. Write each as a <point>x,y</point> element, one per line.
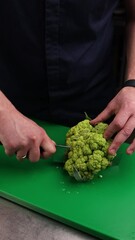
<point>5,104</point>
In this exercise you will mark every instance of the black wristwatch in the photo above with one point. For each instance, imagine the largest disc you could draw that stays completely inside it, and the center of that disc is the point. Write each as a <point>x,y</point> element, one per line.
<point>129,83</point>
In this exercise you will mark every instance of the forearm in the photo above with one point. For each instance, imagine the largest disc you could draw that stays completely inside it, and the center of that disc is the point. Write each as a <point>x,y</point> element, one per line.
<point>130,40</point>
<point>130,51</point>
<point>5,104</point>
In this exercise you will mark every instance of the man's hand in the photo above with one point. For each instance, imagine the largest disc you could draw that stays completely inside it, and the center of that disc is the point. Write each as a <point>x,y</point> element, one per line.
<point>123,124</point>
<point>22,136</point>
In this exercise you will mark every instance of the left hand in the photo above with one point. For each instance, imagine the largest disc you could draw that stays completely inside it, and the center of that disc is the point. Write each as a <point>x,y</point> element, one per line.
<point>123,124</point>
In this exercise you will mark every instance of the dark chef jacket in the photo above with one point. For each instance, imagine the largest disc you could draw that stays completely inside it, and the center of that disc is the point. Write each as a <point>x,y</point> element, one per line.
<point>56,57</point>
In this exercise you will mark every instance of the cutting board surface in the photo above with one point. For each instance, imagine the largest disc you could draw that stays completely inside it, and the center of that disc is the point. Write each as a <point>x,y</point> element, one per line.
<point>104,207</point>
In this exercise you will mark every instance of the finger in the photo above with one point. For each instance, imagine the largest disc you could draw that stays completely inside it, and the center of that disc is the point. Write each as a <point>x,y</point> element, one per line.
<point>46,154</point>
<point>48,148</point>
<point>117,124</point>
<point>21,154</point>
<point>131,148</point>
<point>122,136</point>
<point>104,115</point>
<point>34,154</point>
<point>10,150</point>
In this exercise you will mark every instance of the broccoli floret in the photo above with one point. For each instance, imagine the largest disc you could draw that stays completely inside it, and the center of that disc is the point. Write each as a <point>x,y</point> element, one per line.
<point>100,127</point>
<point>88,152</point>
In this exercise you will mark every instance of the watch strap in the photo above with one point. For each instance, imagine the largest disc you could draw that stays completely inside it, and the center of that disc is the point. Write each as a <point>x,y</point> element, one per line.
<point>129,83</point>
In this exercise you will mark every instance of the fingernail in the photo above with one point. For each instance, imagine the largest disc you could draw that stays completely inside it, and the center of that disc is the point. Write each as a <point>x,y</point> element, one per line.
<point>130,151</point>
<point>112,151</point>
<point>93,123</point>
<point>54,142</point>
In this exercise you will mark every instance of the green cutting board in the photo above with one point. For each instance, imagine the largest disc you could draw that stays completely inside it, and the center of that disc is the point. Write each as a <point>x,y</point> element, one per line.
<point>104,207</point>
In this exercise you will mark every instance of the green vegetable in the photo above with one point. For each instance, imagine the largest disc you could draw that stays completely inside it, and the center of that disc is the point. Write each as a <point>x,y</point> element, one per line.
<point>89,149</point>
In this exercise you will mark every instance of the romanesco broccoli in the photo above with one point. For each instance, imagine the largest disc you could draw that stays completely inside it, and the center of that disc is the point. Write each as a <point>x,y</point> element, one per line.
<point>88,151</point>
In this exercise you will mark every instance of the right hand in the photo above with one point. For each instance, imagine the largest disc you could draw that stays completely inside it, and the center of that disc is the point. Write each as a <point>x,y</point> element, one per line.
<point>22,136</point>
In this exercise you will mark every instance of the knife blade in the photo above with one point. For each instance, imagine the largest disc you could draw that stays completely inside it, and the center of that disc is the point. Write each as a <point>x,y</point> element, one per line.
<point>62,146</point>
